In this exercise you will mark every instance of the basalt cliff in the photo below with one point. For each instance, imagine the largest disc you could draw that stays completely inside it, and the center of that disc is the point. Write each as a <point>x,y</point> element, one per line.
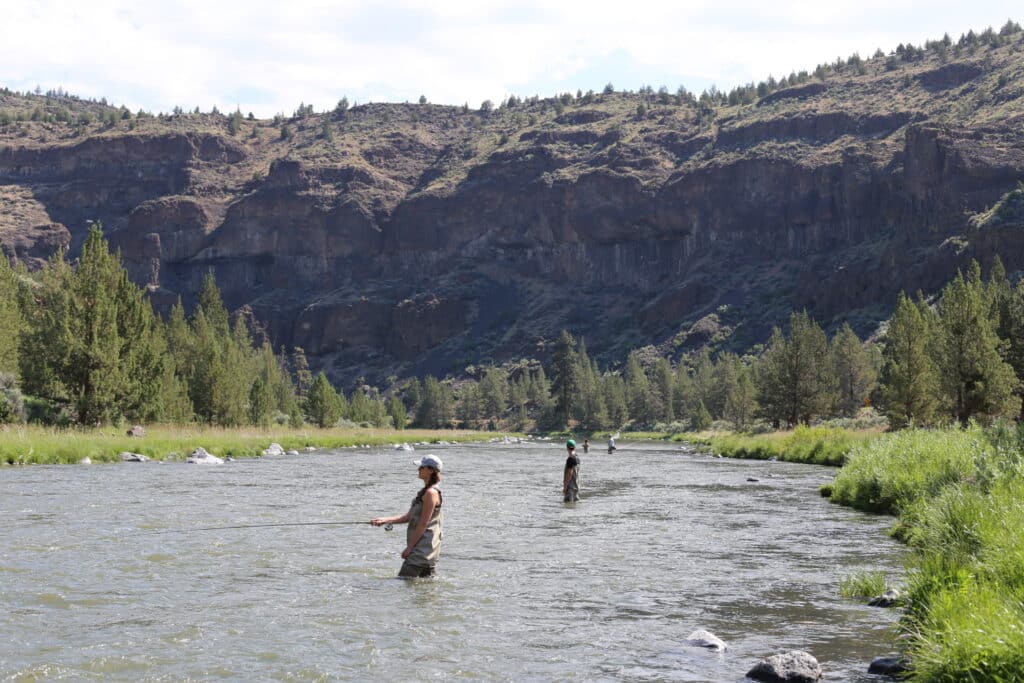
<point>400,239</point>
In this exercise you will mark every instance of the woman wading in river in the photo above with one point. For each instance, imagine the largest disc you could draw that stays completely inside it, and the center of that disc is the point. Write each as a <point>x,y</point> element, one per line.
<point>423,535</point>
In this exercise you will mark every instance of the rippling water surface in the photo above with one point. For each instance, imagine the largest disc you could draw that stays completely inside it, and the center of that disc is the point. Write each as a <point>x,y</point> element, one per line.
<point>96,584</point>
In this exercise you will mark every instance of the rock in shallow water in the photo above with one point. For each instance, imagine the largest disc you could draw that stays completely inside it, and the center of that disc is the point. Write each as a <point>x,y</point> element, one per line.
<point>789,667</point>
<point>201,457</point>
<point>273,449</point>
<point>890,598</point>
<point>132,457</point>
<point>889,666</point>
<point>702,638</point>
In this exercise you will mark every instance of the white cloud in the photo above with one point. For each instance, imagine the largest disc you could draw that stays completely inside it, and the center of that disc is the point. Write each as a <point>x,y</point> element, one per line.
<point>268,56</point>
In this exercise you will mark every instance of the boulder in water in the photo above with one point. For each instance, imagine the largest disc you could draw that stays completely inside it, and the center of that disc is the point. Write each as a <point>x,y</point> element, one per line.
<point>292,452</point>
<point>85,461</point>
<point>404,447</point>
<point>702,638</point>
<point>201,457</point>
<point>308,449</point>
<point>132,457</point>
<point>890,598</point>
<point>273,449</point>
<point>889,666</point>
<point>789,667</point>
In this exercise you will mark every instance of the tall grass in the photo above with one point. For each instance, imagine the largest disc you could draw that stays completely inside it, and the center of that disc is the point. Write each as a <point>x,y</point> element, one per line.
<point>890,472</point>
<point>862,585</point>
<point>959,494</point>
<point>815,445</point>
<point>38,445</point>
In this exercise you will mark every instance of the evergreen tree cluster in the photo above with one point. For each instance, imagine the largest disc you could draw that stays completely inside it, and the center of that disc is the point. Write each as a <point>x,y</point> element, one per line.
<point>960,360</point>
<point>84,346</point>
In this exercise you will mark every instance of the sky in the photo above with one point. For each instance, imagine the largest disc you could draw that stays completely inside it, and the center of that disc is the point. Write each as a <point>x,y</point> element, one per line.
<point>267,57</point>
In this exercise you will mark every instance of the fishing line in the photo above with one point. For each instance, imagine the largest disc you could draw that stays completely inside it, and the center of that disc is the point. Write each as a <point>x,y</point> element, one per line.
<point>387,527</point>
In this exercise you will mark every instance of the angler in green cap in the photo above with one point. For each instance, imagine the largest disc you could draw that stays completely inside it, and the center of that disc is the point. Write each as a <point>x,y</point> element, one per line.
<point>571,477</point>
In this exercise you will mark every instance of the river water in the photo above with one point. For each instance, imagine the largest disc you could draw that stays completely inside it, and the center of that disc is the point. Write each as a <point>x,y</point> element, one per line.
<point>97,583</point>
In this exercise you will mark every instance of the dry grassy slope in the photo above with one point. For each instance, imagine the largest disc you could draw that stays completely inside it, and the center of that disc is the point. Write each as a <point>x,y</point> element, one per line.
<point>830,194</point>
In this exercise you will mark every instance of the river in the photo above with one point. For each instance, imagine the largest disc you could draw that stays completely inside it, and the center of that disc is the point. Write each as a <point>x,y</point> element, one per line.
<point>97,582</point>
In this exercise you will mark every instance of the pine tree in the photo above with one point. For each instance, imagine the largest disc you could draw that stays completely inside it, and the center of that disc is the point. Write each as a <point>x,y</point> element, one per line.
<point>436,406</point>
<point>470,407</point>
<point>212,306</point>
<point>260,403</point>
<point>974,376</point>
<point>794,378</point>
<point>910,378</point>
<point>682,394</point>
<point>701,419</point>
<point>638,391</point>
<point>494,393</point>
<point>851,362</point>
<point>303,376</point>
<point>661,394</point>
<point>396,410</point>
<point>10,318</point>
<point>741,399</point>
<point>613,390</point>
<point>322,405</point>
<point>566,383</point>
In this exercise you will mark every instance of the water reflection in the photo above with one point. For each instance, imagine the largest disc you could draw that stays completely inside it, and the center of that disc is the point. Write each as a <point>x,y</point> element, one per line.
<point>662,542</point>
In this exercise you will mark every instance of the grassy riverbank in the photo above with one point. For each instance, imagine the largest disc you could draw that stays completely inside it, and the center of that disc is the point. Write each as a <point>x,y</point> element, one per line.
<point>814,445</point>
<point>957,495</point>
<point>38,445</point>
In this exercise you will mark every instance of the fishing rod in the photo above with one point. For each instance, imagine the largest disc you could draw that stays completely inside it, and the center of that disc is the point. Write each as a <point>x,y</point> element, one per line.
<point>387,527</point>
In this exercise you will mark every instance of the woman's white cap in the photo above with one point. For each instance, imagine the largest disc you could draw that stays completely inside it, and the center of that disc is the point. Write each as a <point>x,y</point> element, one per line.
<point>429,461</point>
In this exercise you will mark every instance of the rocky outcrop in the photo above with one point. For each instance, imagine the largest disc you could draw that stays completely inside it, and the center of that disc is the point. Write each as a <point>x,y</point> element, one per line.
<point>428,238</point>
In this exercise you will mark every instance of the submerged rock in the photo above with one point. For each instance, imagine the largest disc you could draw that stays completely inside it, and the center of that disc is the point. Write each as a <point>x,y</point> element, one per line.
<point>890,598</point>
<point>889,666</point>
<point>789,667</point>
<point>292,452</point>
<point>703,638</point>
<point>752,479</point>
<point>308,449</point>
<point>201,457</point>
<point>132,457</point>
<point>404,447</point>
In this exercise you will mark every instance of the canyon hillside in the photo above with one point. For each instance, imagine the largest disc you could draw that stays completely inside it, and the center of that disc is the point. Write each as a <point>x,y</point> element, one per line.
<point>404,239</point>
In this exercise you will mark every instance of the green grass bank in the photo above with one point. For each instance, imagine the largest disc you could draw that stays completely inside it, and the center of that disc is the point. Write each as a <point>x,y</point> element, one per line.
<point>814,445</point>
<point>41,445</point>
<point>959,498</point>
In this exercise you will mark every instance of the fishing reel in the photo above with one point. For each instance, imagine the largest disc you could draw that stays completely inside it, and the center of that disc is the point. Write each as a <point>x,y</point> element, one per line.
<point>389,527</point>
